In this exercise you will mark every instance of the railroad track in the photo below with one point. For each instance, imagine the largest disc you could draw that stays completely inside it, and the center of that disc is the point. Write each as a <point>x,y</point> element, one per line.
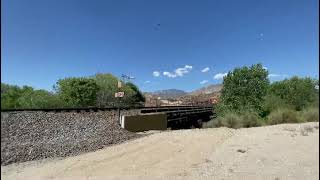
<point>95,109</point>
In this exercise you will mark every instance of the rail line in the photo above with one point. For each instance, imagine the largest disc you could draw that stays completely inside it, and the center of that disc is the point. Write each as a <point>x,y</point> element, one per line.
<point>95,109</point>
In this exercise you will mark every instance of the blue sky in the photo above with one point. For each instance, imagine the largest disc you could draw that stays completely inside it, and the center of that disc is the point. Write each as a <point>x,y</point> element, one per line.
<point>45,40</point>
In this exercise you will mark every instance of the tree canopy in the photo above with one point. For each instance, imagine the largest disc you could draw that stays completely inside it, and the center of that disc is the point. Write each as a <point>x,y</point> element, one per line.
<point>244,88</point>
<point>97,90</point>
<point>78,92</point>
<point>296,92</point>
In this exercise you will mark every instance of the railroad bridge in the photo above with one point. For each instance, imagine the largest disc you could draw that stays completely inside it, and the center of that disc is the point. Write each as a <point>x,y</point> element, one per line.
<point>174,117</point>
<point>149,118</point>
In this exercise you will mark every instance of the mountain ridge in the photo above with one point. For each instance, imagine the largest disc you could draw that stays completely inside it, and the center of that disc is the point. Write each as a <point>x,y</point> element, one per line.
<point>173,93</point>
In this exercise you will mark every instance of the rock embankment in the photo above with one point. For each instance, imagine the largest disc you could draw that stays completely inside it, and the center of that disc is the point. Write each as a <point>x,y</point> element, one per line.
<point>29,136</point>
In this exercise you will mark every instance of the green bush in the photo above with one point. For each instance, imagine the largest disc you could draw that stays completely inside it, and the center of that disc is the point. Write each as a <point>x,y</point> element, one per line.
<point>280,116</point>
<point>309,115</point>
<point>272,103</point>
<point>298,92</point>
<point>78,92</point>
<point>28,97</point>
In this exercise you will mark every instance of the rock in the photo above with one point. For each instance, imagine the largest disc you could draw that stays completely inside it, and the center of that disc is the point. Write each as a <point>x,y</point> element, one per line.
<point>241,150</point>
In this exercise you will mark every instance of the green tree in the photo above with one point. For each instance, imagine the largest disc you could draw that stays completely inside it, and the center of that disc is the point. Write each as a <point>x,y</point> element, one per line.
<point>244,89</point>
<point>26,97</point>
<point>9,96</point>
<point>108,86</point>
<point>78,92</point>
<point>297,92</point>
<point>39,99</point>
<point>136,96</point>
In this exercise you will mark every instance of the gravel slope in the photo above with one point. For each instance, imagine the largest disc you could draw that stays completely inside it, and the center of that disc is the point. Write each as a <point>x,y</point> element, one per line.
<point>287,151</point>
<point>36,135</point>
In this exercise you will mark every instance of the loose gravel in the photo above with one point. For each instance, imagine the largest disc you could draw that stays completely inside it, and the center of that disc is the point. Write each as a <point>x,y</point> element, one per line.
<point>27,136</point>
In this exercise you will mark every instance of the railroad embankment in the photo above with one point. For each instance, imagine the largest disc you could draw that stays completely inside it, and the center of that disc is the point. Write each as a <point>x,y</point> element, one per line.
<point>285,151</point>
<point>36,135</point>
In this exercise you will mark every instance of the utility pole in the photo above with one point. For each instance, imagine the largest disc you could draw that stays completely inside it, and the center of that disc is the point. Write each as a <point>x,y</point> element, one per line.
<point>158,101</point>
<point>120,94</point>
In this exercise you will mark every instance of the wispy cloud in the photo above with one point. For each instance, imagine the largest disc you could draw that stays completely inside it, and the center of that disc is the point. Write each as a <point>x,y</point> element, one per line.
<point>146,82</point>
<point>219,76</point>
<point>204,81</point>
<point>274,75</point>
<point>156,73</point>
<point>205,69</point>
<point>178,72</point>
<point>277,75</point>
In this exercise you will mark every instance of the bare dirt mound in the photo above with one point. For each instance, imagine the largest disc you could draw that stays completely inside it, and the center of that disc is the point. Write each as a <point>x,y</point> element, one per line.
<point>287,151</point>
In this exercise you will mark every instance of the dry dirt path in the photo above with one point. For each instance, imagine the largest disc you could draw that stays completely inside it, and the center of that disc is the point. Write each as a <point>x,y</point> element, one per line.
<point>287,151</point>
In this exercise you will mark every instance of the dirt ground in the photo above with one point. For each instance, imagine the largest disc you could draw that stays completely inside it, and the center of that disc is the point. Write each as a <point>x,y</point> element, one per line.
<point>287,151</point>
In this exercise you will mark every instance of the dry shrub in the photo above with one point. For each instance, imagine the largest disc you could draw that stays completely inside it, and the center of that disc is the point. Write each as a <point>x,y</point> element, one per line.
<point>230,120</point>
<point>308,128</point>
<point>292,129</point>
<point>250,119</point>
<point>309,115</point>
<point>235,120</point>
<point>280,116</point>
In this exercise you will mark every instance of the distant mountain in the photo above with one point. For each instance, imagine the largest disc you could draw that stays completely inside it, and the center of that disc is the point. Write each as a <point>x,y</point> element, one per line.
<point>168,93</point>
<point>208,91</point>
<point>212,88</point>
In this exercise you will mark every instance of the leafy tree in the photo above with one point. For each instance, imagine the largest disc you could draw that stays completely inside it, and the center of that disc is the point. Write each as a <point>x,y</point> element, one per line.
<point>136,96</point>
<point>5,88</point>
<point>39,99</point>
<point>297,92</point>
<point>26,97</point>
<point>98,90</point>
<point>244,89</point>
<point>9,96</point>
<point>108,86</point>
<point>78,92</point>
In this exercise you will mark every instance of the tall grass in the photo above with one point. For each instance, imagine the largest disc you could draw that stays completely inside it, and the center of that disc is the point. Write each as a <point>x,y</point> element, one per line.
<point>310,114</point>
<point>252,119</point>
<point>281,115</point>
<point>235,120</point>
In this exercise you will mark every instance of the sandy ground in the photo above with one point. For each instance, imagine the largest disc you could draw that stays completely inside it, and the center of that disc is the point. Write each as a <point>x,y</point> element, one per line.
<point>287,151</point>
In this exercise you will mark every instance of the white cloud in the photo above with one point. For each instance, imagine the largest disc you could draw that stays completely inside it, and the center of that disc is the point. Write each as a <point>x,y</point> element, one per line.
<point>188,66</point>
<point>178,72</point>
<point>156,73</point>
<point>219,75</point>
<point>277,75</point>
<point>182,71</point>
<point>169,74</point>
<point>204,81</point>
<point>274,75</point>
<point>205,69</point>
<point>265,68</point>
<point>147,82</point>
